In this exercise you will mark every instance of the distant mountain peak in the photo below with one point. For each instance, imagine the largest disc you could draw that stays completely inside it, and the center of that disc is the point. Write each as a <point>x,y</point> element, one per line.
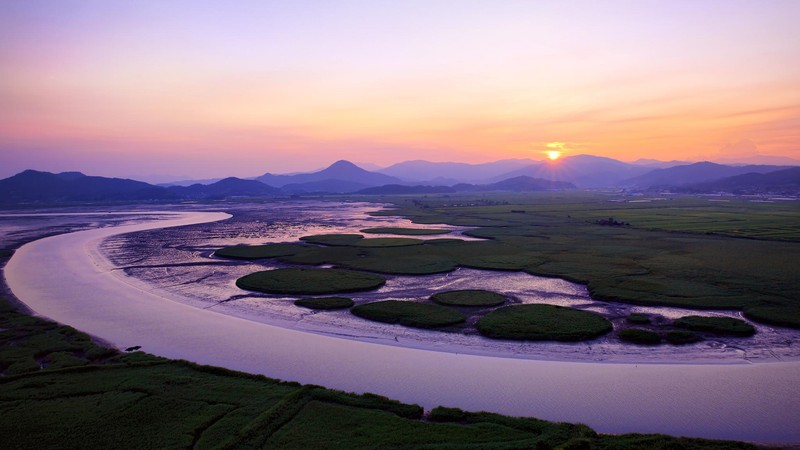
<point>343,164</point>
<point>69,176</point>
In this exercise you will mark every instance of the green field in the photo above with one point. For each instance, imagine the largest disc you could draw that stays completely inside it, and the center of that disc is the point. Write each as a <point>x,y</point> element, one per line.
<point>104,399</point>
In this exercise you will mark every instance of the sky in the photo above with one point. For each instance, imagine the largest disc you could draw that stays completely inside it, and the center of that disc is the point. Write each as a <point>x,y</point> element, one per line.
<point>160,90</point>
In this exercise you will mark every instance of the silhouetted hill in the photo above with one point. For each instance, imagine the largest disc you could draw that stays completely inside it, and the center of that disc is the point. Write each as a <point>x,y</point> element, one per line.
<point>323,187</point>
<point>419,170</point>
<point>187,183</point>
<point>786,181</point>
<point>340,170</point>
<point>700,172</point>
<point>516,184</point>
<point>32,186</point>
<point>399,189</point>
<point>582,170</point>
<point>657,164</point>
<point>228,187</point>
<point>70,176</point>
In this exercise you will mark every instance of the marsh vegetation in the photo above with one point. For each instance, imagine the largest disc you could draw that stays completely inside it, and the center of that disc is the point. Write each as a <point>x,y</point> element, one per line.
<point>677,252</point>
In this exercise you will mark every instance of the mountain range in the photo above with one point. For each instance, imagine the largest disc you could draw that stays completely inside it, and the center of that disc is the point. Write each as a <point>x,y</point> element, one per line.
<point>416,177</point>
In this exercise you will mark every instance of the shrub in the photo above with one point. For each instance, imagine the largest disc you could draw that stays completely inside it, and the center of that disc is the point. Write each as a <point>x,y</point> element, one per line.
<point>639,336</point>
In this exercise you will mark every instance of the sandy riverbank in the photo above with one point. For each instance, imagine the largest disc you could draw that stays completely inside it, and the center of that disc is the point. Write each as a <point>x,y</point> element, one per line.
<point>67,279</point>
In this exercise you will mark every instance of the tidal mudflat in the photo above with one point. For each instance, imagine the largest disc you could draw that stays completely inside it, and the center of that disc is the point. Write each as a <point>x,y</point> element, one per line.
<point>181,263</point>
<point>737,401</point>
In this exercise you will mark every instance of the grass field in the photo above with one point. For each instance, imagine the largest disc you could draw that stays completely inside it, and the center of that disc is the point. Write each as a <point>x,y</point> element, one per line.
<point>106,399</point>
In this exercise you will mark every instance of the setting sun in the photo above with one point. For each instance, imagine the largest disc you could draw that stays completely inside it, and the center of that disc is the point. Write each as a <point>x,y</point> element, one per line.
<point>553,154</point>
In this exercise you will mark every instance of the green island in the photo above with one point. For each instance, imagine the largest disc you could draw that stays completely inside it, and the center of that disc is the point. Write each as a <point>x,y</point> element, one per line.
<point>325,303</point>
<point>543,323</point>
<point>301,281</point>
<point>469,297</point>
<point>638,319</point>
<point>716,325</point>
<point>406,231</point>
<point>410,314</point>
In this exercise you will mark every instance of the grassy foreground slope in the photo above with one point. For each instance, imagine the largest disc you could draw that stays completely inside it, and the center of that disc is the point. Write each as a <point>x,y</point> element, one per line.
<point>104,399</point>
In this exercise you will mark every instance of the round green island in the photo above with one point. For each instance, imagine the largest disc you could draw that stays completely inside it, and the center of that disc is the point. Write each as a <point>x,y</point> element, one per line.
<point>410,314</point>
<point>469,297</point>
<point>543,323</point>
<point>300,281</point>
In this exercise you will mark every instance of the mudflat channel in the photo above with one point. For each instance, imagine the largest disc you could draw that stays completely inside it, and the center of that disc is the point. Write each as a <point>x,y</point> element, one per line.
<point>70,279</point>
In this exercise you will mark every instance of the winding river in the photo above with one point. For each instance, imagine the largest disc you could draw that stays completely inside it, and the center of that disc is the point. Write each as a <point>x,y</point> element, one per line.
<point>67,278</point>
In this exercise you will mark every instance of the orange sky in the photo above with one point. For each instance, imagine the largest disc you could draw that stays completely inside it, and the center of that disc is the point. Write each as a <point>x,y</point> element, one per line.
<point>202,89</point>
